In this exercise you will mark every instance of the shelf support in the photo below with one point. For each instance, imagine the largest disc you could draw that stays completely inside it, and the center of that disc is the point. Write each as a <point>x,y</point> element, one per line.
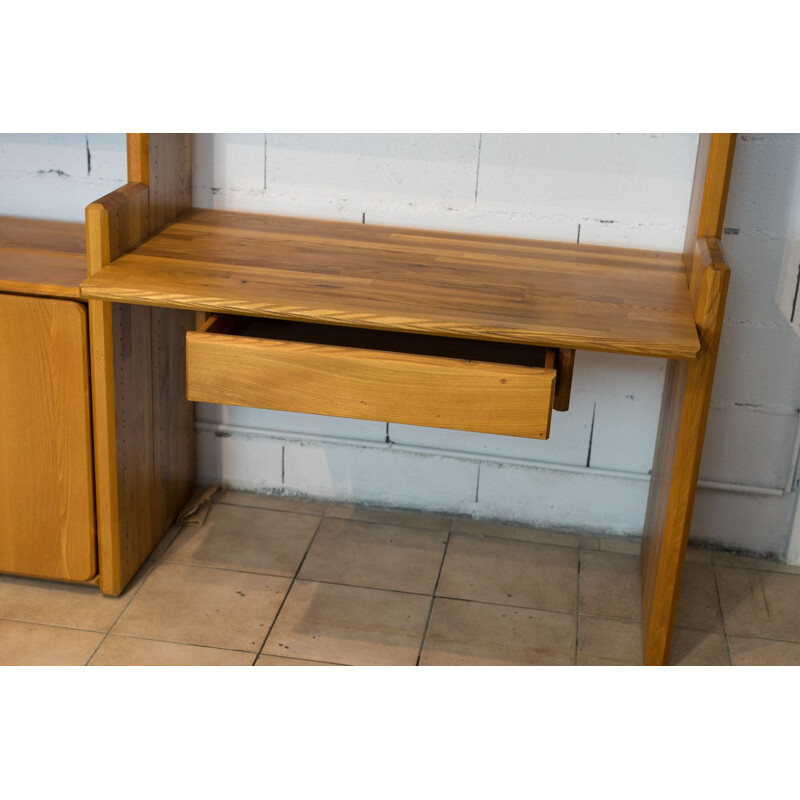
<point>685,403</point>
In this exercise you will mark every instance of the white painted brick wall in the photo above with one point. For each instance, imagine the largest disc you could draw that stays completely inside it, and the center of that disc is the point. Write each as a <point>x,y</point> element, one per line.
<point>630,189</point>
<point>56,175</point>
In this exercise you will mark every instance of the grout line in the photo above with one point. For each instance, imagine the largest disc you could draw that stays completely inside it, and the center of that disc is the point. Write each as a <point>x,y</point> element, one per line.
<point>283,466</point>
<point>433,595</point>
<point>288,591</point>
<point>148,573</point>
<point>579,234</point>
<point>794,300</point>
<point>722,614</point>
<point>314,660</point>
<point>89,163</point>
<point>188,644</point>
<point>477,490</point>
<point>278,510</point>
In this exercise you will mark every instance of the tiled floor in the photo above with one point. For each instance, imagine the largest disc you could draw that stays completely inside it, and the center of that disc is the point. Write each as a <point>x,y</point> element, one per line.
<point>277,582</point>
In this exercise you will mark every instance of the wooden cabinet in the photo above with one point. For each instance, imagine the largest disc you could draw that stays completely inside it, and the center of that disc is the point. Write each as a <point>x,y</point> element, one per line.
<point>50,505</point>
<point>46,477</point>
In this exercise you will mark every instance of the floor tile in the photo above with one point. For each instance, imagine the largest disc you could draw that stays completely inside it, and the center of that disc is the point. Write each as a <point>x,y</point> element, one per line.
<point>250,539</point>
<point>278,661</point>
<point>164,544</point>
<point>24,644</point>
<point>609,642</point>
<point>698,649</point>
<point>375,556</point>
<point>749,652</point>
<point>761,604</point>
<point>698,555</point>
<point>349,625</point>
<point>63,604</point>
<point>627,545</point>
<point>521,533</point>
<point>268,501</point>
<point>589,542</point>
<point>610,585</point>
<point>463,633</point>
<point>127,651</point>
<point>388,516</point>
<point>199,605</point>
<point>510,572</point>
<point>748,562</point>
<point>698,606</point>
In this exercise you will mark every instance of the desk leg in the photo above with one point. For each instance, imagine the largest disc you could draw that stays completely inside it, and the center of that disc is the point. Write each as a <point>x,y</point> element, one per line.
<point>679,447</point>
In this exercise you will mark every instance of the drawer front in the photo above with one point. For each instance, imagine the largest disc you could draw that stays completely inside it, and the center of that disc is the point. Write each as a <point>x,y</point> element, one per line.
<point>398,387</point>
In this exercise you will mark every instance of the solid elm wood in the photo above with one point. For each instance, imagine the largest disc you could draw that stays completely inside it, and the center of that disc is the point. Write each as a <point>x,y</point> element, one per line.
<point>477,287</point>
<point>386,383</point>
<point>685,401</point>
<point>676,465</point>
<point>709,198</point>
<point>565,366</point>
<point>46,493</point>
<point>144,426</point>
<point>41,257</point>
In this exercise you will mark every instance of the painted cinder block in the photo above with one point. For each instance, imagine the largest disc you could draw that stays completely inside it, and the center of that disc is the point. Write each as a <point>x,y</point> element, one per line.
<point>749,522</point>
<point>562,499</point>
<point>381,476</point>
<point>292,422</point>
<point>228,167</point>
<point>108,157</point>
<point>50,196</point>
<point>568,442</point>
<point>62,154</point>
<point>747,446</point>
<point>249,463</point>
<point>640,180</point>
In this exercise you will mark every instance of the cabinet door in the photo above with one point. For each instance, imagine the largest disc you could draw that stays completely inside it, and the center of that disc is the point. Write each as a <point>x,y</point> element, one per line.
<point>46,481</point>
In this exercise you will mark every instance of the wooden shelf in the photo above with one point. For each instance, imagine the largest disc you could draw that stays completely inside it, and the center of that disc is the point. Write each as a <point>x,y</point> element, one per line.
<point>41,257</point>
<point>430,282</point>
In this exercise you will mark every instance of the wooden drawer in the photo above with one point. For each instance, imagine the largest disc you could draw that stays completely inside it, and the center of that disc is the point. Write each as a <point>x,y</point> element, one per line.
<point>435,381</point>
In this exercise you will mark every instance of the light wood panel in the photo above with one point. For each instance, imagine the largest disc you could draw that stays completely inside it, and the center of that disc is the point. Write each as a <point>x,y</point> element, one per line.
<point>679,447</point>
<point>46,493</point>
<point>41,257</point>
<point>376,384</point>
<point>709,199</point>
<point>144,439</point>
<point>478,287</point>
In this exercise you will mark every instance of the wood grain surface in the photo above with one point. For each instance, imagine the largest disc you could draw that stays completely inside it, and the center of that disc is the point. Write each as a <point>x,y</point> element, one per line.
<point>449,284</point>
<point>676,465</point>
<point>41,257</point>
<point>46,480</point>
<point>376,384</point>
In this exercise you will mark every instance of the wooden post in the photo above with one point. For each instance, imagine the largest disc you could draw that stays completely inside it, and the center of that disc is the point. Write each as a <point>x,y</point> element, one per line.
<point>685,402</point>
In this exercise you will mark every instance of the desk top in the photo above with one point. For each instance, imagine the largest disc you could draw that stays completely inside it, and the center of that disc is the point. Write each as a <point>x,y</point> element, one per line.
<point>447,284</point>
<point>42,257</point>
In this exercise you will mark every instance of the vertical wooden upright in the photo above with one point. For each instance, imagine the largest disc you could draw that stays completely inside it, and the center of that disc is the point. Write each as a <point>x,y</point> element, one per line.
<point>144,426</point>
<point>685,403</point>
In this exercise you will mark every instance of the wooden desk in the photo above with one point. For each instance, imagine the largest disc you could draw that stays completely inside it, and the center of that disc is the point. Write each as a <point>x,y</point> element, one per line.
<point>149,250</point>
